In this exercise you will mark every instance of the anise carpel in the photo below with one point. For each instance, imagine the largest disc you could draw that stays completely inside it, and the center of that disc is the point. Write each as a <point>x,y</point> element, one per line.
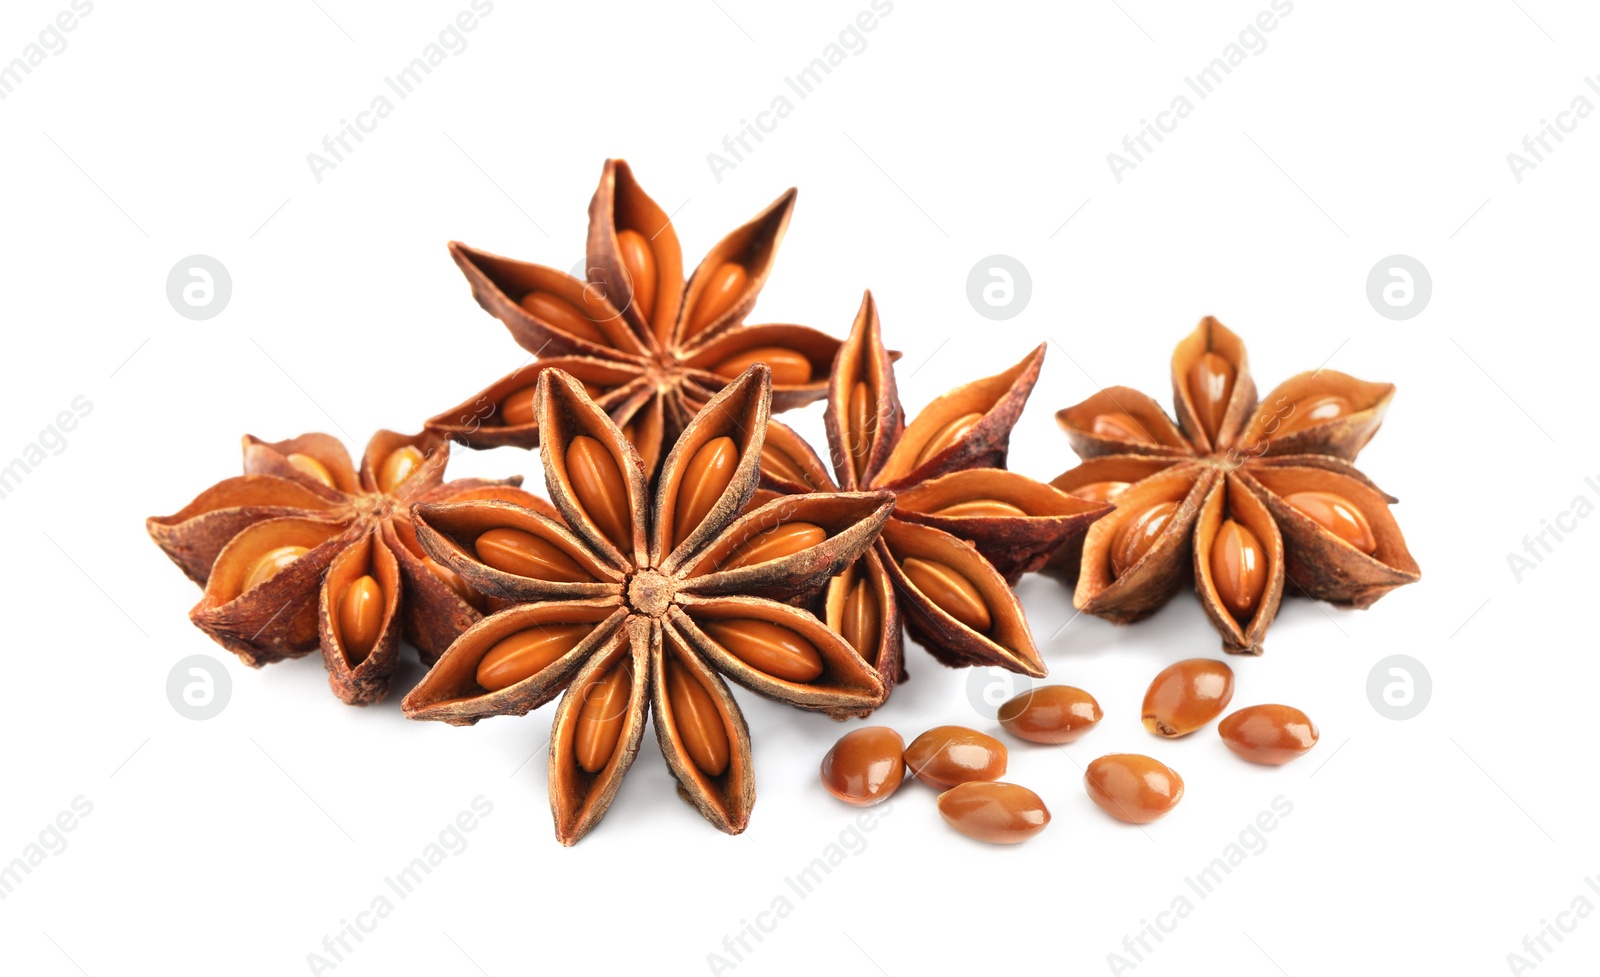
<point>1239,494</point>
<point>648,345</point>
<point>963,530</point>
<point>304,550</point>
<point>642,595</point>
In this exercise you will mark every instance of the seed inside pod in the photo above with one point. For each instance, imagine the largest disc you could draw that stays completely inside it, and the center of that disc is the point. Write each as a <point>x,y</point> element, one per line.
<point>517,407</point>
<point>1100,491</point>
<point>865,766</point>
<point>1186,695</point>
<point>1138,535</point>
<point>1050,714</point>
<point>723,287</point>
<point>310,466</point>
<point>947,436</point>
<point>1132,787</point>
<point>950,591</point>
<point>768,648</point>
<point>777,463</point>
<point>695,717</point>
<point>861,623</point>
<point>1270,734</point>
<point>783,540</point>
<point>640,263</point>
<point>945,756</point>
<point>562,314</point>
<point>863,420</point>
<point>526,555</point>
<point>604,714</point>
<point>453,580</point>
<point>1238,569</point>
<point>269,563</point>
<point>789,368</point>
<point>1311,412</point>
<point>705,478</point>
<point>1210,385</point>
<point>360,617</point>
<point>400,465</point>
<point>1118,426</point>
<point>597,482</point>
<point>1338,516</point>
<point>526,653</point>
<point>980,508</point>
<point>1000,814</point>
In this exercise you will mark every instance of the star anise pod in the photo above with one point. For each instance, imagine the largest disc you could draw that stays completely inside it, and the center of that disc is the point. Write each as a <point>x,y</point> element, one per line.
<point>1247,493</point>
<point>964,529</point>
<point>637,597</point>
<point>304,551</point>
<point>650,347</point>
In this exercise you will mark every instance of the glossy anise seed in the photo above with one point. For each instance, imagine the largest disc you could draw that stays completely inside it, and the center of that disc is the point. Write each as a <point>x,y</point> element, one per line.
<point>1238,569</point>
<point>1270,734</point>
<point>1100,491</point>
<point>947,436</point>
<point>1186,695</point>
<point>361,617</point>
<point>526,555</point>
<point>861,622</point>
<point>398,467</point>
<point>517,407</point>
<point>950,591</point>
<point>723,288</point>
<point>786,539</point>
<point>695,717</point>
<point>604,713</point>
<point>640,263</point>
<point>1050,714</point>
<point>598,484</point>
<point>862,422</point>
<point>777,463</point>
<point>945,756</point>
<point>1118,426</point>
<point>705,478</point>
<point>453,580</point>
<point>1309,413</point>
<point>1133,788</point>
<point>865,766</point>
<point>789,368</point>
<point>1210,386</point>
<point>1338,516</point>
<point>980,508</point>
<point>269,563</point>
<point>308,465</point>
<point>564,315</point>
<point>1138,535</point>
<point>1000,814</point>
<point>768,648</point>
<point>526,653</point>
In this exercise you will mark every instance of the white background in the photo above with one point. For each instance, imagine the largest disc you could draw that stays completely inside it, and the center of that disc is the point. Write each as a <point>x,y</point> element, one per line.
<point>235,845</point>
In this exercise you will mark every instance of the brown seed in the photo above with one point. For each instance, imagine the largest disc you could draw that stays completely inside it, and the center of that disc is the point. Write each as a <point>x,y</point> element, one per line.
<point>1000,814</point>
<point>526,555</point>
<point>526,653</point>
<point>1338,516</point>
<point>865,766</point>
<point>777,463</point>
<point>789,368</point>
<point>861,624</point>
<point>310,466</point>
<point>604,713</point>
<point>565,316</point>
<point>453,580</point>
<point>695,717</point>
<point>1050,714</point>
<point>269,563</point>
<point>1133,788</point>
<point>1210,385</point>
<point>597,482</point>
<point>947,436</point>
<point>981,508</point>
<point>945,756</point>
<point>1186,695</point>
<point>705,478</point>
<point>1238,569</point>
<point>768,648</point>
<point>1311,412</point>
<point>1138,535</point>
<point>1270,734</point>
<point>862,422</point>
<point>1118,426</point>
<point>723,288</point>
<point>640,263</point>
<point>400,465</point>
<point>1100,491</point>
<point>517,408</point>
<point>950,592</point>
<point>360,617</point>
<point>782,540</point>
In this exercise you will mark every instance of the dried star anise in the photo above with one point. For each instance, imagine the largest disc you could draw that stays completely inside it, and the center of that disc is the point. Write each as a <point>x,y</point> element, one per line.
<point>964,529</point>
<point>648,346</point>
<point>1248,493</point>
<point>637,597</point>
<point>304,550</point>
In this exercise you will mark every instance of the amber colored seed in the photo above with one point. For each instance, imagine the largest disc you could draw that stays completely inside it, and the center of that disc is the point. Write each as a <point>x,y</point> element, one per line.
<point>783,540</point>
<point>517,408</point>
<point>723,288</point>
<point>947,436</point>
<point>1210,386</point>
<point>981,509</point>
<point>778,464</point>
<point>861,625</point>
<point>1270,734</point>
<point>526,653</point>
<point>705,478</point>
<point>597,482</point>
<point>308,465</point>
<point>269,563</point>
<point>1310,413</point>
<point>1132,787</point>
<point>360,617</point>
<point>1338,516</point>
<point>453,580</point>
<point>768,648</point>
<point>865,766</point>
<point>1186,695</point>
<point>400,465</point>
<point>1238,569</point>
<point>945,756</point>
<point>696,718</point>
<point>1050,714</point>
<point>862,421</point>
<point>640,262</point>
<point>1138,535</point>
<point>789,368</point>
<point>950,591</point>
<point>1000,814</point>
<point>562,314</point>
<point>526,555</point>
<point>604,713</point>
<point>1100,491</point>
<point>1118,426</point>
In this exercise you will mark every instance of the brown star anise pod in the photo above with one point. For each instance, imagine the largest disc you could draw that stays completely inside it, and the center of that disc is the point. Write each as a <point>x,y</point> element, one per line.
<point>1248,494</point>
<point>648,346</point>
<point>964,529</point>
<point>303,550</point>
<point>638,597</point>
